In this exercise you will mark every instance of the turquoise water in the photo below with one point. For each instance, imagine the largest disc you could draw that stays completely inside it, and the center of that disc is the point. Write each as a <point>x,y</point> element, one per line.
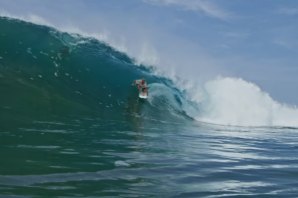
<point>71,125</point>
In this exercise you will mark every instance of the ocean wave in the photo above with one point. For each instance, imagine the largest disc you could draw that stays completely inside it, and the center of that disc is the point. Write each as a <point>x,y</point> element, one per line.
<point>60,73</point>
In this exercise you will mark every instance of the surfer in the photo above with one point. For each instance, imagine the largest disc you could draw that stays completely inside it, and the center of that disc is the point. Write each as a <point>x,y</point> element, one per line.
<point>142,86</point>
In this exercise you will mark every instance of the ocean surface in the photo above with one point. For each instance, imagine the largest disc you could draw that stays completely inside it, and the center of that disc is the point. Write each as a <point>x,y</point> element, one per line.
<point>71,125</point>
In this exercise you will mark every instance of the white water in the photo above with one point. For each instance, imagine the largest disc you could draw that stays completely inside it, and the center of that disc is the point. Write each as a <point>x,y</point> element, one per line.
<point>231,101</point>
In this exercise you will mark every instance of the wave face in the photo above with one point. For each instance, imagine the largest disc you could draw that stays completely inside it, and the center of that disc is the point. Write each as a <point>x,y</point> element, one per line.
<point>47,73</point>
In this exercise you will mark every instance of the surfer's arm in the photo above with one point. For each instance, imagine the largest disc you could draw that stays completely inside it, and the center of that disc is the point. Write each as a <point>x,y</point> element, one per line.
<point>135,82</point>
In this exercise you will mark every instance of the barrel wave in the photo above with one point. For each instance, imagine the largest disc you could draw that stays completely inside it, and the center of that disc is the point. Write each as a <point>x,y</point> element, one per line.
<point>46,73</point>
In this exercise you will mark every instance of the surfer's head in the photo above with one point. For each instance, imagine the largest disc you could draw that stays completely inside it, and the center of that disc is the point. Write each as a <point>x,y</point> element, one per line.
<point>143,81</point>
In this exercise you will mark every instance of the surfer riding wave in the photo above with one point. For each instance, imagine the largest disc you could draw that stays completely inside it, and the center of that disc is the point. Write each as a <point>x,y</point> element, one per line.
<point>142,87</point>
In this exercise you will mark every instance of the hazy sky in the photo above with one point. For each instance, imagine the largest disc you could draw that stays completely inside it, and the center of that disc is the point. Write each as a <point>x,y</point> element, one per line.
<point>193,39</point>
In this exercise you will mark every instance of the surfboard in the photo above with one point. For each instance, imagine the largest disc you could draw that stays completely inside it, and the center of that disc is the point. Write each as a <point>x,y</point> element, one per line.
<point>143,95</point>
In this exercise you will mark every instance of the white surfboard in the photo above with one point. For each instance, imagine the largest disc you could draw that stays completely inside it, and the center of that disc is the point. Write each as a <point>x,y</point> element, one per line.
<point>143,95</point>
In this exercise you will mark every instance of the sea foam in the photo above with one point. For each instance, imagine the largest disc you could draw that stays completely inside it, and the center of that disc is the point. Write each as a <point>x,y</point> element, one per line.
<point>234,101</point>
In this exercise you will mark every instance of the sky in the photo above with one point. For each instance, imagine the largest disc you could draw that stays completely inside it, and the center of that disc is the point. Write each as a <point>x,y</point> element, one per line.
<point>191,39</point>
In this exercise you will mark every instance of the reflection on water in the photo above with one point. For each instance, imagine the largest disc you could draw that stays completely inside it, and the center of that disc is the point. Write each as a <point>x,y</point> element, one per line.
<point>91,157</point>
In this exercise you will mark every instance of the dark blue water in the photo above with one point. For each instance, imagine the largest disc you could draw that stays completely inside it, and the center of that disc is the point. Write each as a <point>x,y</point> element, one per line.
<point>71,125</point>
